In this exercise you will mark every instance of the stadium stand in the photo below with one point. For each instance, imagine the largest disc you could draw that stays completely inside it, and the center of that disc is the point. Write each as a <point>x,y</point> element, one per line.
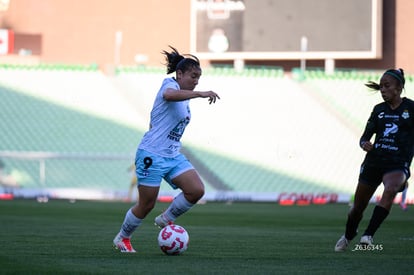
<point>270,132</point>
<point>255,138</point>
<point>56,111</point>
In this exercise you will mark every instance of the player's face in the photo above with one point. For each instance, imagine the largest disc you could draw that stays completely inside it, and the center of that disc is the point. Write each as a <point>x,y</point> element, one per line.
<point>189,79</point>
<point>389,87</point>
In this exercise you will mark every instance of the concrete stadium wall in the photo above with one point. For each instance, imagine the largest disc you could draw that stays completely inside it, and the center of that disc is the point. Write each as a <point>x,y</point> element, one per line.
<point>84,32</point>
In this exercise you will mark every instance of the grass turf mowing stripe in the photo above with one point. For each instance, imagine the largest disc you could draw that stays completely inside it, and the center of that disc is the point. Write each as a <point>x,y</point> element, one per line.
<point>59,237</point>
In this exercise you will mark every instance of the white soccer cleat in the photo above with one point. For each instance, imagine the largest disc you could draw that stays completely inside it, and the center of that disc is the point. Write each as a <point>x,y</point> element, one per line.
<point>123,244</point>
<point>366,240</point>
<point>342,244</point>
<point>161,222</point>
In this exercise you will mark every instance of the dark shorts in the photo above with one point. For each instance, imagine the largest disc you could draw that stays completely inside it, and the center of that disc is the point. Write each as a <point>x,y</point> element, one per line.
<point>373,175</point>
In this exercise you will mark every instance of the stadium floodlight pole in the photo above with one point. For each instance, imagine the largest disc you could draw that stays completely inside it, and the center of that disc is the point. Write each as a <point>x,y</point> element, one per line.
<point>303,48</point>
<point>329,66</point>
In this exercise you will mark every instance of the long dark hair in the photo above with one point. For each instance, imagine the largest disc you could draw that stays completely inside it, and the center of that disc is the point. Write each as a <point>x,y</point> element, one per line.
<point>176,61</point>
<point>397,74</point>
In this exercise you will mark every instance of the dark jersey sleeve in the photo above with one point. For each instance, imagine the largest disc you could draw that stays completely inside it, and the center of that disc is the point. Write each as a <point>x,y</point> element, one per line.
<point>370,127</point>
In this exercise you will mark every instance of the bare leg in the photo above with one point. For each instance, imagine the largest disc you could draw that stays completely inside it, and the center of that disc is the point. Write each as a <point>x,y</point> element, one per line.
<point>146,202</point>
<point>191,185</point>
<point>134,216</point>
<point>393,182</point>
<point>363,194</point>
<point>192,190</point>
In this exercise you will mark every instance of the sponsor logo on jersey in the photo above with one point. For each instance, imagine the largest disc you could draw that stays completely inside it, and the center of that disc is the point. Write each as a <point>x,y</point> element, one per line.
<point>405,114</point>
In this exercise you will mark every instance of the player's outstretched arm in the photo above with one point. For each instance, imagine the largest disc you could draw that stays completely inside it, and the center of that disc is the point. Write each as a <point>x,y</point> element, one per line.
<point>180,95</point>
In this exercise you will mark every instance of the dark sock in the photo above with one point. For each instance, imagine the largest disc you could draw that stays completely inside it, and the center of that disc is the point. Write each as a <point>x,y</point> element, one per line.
<point>378,216</point>
<point>351,228</point>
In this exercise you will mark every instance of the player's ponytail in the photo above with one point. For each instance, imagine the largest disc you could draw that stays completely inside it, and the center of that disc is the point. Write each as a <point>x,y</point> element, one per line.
<point>373,85</point>
<point>397,74</point>
<point>172,58</point>
<point>176,61</point>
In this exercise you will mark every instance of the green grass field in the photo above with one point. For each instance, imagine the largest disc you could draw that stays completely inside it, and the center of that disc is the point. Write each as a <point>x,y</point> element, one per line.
<point>60,237</point>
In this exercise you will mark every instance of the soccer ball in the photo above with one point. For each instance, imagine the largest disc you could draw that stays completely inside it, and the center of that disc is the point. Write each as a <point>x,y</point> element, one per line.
<point>173,239</point>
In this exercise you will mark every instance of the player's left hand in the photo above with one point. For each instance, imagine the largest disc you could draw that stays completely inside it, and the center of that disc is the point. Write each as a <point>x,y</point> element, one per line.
<point>212,96</point>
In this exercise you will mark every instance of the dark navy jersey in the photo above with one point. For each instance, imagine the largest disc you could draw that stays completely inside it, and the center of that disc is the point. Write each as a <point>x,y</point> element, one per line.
<point>394,134</point>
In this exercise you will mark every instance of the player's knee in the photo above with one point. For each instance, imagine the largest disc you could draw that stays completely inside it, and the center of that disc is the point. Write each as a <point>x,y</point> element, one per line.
<point>149,206</point>
<point>199,193</point>
<point>387,198</point>
<point>143,208</point>
<point>195,194</point>
<point>391,190</point>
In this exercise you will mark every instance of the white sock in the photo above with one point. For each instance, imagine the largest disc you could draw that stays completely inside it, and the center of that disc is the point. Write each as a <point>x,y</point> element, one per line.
<point>131,222</point>
<point>179,206</point>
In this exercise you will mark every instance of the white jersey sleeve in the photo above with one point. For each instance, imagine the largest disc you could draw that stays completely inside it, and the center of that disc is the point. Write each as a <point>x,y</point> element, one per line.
<point>168,122</point>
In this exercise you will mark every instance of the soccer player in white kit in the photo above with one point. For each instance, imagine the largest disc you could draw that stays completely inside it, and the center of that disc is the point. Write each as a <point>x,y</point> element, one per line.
<point>158,155</point>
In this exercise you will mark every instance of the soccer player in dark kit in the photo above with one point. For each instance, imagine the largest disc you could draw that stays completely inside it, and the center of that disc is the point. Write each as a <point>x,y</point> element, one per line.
<point>387,159</point>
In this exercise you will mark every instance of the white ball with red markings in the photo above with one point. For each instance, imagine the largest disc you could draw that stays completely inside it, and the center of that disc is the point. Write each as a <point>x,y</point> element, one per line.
<point>173,239</point>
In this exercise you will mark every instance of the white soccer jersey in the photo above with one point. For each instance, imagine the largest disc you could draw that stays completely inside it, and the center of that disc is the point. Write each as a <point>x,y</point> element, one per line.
<point>167,125</point>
